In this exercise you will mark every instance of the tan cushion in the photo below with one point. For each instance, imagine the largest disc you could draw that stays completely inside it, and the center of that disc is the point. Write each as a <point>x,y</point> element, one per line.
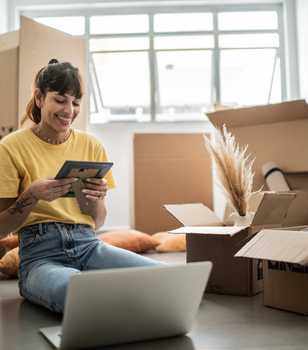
<point>10,262</point>
<point>132,240</point>
<point>10,241</point>
<point>170,242</point>
<point>129,239</point>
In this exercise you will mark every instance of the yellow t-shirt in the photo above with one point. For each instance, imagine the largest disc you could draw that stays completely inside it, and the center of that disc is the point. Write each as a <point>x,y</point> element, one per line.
<point>25,158</point>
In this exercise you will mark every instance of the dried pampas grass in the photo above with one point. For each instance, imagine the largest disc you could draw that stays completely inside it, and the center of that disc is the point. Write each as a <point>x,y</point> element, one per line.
<point>234,168</point>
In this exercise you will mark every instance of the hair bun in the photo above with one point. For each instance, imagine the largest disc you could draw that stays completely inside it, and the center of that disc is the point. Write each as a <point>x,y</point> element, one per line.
<point>53,61</point>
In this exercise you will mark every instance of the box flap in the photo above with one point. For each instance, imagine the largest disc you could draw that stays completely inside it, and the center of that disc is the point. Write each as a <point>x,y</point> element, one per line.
<point>273,208</point>
<point>278,245</point>
<point>298,211</point>
<point>211,230</point>
<point>280,112</point>
<point>255,200</point>
<point>193,214</point>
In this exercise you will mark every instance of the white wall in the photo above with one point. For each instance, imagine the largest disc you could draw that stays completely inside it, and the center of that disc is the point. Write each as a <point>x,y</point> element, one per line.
<point>3,16</point>
<point>302,29</point>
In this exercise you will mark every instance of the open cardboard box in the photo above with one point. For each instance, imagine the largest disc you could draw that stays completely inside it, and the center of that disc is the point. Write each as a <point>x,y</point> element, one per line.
<point>275,133</point>
<point>285,265</point>
<point>208,239</point>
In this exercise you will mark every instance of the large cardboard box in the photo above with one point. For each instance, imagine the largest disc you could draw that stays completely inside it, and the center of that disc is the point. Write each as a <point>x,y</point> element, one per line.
<point>168,168</point>
<point>9,53</point>
<point>22,54</point>
<point>208,239</point>
<point>285,254</point>
<point>276,133</point>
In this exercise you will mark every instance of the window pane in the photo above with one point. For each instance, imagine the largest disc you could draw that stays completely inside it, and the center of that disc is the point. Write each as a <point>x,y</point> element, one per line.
<point>119,44</point>
<point>184,83</point>
<point>93,108</point>
<point>241,82</point>
<point>275,95</point>
<point>119,24</point>
<point>248,40</point>
<point>175,22</point>
<point>123,79</point>
<point>69,25</point>
<point>247,20</point>
<point>184,42</point>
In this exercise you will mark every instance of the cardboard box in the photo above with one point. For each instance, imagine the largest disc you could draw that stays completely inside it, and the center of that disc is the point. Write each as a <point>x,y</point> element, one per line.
<point>207,239</point>
<point>9,79</point>
<point>276,133</point>
<point>20,59</point>
<point>285,254</point>
<point>168,168</point>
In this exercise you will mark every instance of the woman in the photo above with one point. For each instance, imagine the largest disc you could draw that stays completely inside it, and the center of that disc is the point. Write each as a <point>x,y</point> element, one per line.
<point>55,239</point>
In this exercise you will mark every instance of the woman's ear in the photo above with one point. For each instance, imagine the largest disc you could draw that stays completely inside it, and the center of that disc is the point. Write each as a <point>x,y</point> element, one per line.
<point>38,98</point>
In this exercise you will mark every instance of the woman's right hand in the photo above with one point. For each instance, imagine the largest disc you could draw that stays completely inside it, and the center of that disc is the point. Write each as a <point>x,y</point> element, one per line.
<point>50,189</point>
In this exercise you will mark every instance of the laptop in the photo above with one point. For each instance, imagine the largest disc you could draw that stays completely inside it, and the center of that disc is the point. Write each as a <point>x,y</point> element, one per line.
<point>124,305</point>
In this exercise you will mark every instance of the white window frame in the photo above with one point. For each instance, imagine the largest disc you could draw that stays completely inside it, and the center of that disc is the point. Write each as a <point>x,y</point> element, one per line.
<point>131,8</point>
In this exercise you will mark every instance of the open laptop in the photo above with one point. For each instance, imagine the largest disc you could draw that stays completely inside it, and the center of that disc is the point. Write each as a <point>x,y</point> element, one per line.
<point>115,306</point>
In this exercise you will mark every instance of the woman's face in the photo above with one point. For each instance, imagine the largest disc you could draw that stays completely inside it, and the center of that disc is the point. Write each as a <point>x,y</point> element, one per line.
<point>58,111</point>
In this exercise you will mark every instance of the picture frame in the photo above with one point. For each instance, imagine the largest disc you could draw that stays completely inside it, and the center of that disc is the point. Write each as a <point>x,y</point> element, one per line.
<point>82,170</point>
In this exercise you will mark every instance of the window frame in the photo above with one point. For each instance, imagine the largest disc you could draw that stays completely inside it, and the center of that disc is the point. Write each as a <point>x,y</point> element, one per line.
<point>151,10</point>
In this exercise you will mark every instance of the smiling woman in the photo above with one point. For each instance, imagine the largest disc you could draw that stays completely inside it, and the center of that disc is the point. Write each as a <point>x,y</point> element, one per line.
<point>56,95</point>
<point>56,239</point>
<point>60,111</point>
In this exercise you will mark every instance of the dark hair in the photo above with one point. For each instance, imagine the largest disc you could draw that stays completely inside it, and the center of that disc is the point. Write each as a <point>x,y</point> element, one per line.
<point>60,77</point>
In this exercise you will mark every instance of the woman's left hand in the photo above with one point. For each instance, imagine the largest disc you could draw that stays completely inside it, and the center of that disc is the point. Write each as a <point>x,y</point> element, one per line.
<point>95,189</point>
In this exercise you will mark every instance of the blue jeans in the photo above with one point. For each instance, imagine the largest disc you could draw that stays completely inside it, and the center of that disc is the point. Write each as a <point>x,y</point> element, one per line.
<point>50,253</point>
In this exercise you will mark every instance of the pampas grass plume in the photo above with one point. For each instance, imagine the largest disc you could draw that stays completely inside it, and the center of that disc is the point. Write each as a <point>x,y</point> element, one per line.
<point>234,168</point>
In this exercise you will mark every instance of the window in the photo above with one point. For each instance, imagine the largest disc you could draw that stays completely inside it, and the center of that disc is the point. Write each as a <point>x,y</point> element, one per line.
<point>162,64</point>
<point>74,25</point>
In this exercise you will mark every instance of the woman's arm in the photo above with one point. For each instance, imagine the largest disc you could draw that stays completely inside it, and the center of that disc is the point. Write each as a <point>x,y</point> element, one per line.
<point>99,213</point>
<point>95,190</point>
<point>14,212</point>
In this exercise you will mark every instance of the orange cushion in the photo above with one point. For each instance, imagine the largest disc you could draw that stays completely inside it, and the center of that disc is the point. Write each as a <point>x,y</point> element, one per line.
<point>9,242</point>
<point>129,239</point>
<point>170,242</point>
<point>9,263</point>
<point>132,240</point>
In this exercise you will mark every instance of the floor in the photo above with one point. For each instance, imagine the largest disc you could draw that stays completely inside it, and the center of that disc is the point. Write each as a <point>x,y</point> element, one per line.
<point>223,322</point>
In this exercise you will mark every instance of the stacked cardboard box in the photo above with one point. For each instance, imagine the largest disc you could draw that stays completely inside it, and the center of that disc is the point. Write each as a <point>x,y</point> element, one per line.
<point>278,133</point>
<point>274,133</point>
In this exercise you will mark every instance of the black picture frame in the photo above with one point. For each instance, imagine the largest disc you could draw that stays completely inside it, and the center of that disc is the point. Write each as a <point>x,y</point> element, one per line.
<point>82,170</point>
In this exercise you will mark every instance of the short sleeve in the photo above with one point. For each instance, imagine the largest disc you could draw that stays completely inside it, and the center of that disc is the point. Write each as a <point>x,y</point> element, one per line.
<point>9,177</point>
<point>101,156</point>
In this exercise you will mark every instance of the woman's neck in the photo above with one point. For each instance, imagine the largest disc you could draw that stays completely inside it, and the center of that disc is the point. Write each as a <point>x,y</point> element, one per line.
<point>50,135</point>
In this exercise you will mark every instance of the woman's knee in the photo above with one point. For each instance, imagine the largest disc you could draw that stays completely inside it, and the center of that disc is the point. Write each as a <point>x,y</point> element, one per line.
<point>107,256</point>
<point>57,295</point>
<point>48,286</point>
